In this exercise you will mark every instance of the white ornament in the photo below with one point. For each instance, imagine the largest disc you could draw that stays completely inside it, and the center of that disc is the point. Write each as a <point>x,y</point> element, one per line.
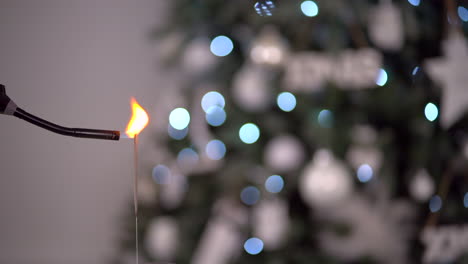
<point>422,186</point>
<point>326,181</point>
<point>284,153</point>
<point>362,154</point>
<point>222,238</point>
<point>386,27</point>
<point>353,69</point>
<point>269,48</point>
<point>174,191</point>
<point>197,57</point>
<point>378,230</point>
<point>445,244</point>
<point>251,90</point>
<point>451,72</point>
<point>272,233</point>
<point>161,238</point>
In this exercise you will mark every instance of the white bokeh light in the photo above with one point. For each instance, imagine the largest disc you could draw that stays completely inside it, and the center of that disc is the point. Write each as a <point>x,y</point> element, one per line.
<point>431,112</point>
<point>212,98</point>
<point>215,116</point>
<point>286,101</point>
<point>309,8</point>
<point>253,246</point>
<point>221,46</point>
<point>215,149</point>
<point>274,184</point>
<point>179,118</point>
<point>382,78</point>
<point>365,173</point>
<point>249,133</point>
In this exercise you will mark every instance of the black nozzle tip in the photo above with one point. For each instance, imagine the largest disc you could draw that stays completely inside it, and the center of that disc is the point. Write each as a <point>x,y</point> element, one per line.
<point>7,106</point>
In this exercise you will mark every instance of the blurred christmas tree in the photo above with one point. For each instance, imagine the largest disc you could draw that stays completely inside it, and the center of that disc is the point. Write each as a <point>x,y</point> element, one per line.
<point>311,132</point>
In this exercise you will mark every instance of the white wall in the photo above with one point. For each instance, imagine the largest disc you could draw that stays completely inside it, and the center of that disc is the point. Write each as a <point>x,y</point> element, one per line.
<point>75,63</point>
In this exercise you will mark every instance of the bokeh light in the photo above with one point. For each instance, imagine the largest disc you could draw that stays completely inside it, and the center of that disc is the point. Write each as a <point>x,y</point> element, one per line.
<point>161,174</point>
<point>465,200</point>
<point>187,157</point>
<point>253,246</point>
<point>365,173</point>
<point>274,184</point>
<point>179,118</point>
<point>463,13</point>
<point>414,2</point>
<point>325,118</point>
<point>176,133</point>
<point>381,78</point>
<point>215,149</point>
<point>431,112</point>
<point>221,46</point>
<point>215,116</point>
<point>212,98</point>
<point>249,133</point>
<point>286,101</point>
<point>250,195</point>
<point>415,70</point>
<point>264,8</point>
<point>435,204</point>
<point>309,8</point>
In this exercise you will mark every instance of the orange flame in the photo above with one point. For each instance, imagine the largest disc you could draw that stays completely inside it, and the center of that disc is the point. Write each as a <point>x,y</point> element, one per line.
<point>138,121</point>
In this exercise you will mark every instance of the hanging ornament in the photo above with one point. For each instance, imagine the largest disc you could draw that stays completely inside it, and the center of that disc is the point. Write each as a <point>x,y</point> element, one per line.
<point>161,238</point>
<point>386,26</point>
<point>450,71</point>
<point>197,58</point>
<point>284,153</point>
<point>251,89</point>
<point>269,48</point>
<point>174,190</point>
<point>364,150</point>
<point>272,233</point>
<point>264,7</point>
<point>422,186</point>
<point>445,244</point>
<point>222,239</point>
<point>326,181</point>
<point>379,231</point>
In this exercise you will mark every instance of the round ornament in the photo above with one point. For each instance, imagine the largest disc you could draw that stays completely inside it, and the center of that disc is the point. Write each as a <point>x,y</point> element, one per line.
<point>197,57</point>
<point>272,233</point>
<point>325,181</point>
<point>251,89</point>
<point>161,238</point>
<point>284,153</point>
<point>269,48</point>
<point>422,186</point>
<point>386,27</point>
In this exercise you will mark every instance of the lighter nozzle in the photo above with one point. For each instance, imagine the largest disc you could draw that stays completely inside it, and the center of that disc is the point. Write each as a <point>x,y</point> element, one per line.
<point>7,106</point>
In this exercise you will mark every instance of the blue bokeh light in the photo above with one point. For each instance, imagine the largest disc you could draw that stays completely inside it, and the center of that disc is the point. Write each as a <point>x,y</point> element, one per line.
<point>465,200</point>
<point>215,149</point>
<point>250,195</point>
<point>431,112</point>
<point>414,2</point>
<point>221,46</point>
<point>264,8</point>
<point>463,13</point>
<point>176,133</point>
<point>325,118</point>
<point>161,174</point>
<point>382,78</point>
<point>179,118</point>
<point>253,246</point>
<point>309,8</point>
<point>274,184</point>
<point>286,101</point>
<point>215,116</point>
<point>187,157</point>
<point>365,173</point>
<point>415,70</point>
<point>249,133</point>
<point>435,203</point>
<point>212,99</point>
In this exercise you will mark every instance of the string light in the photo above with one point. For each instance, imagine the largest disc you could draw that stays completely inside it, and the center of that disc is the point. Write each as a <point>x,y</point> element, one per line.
<point>215,116</point>
<point>381,78</point>
<point>286,101</point>
<point>463,13</point>
<point>431,112</point>
<point>435,204</point>
<point>253,246</point>
<point>309,8</point>
<point>415,70</point>
<point>414,2</point>
<point>250,195</point>
<point>325,118</point>
<point>249,133</point>
<point>161,174</point>
<point>264,8</point>
<point>176,133</point>
<point>212,98</point>
<point>179,118</point>
<point>465,200</point>
<point>365,173</point>
<point>215,149</point>
<point>221,46</point>
<point>274,184</point>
